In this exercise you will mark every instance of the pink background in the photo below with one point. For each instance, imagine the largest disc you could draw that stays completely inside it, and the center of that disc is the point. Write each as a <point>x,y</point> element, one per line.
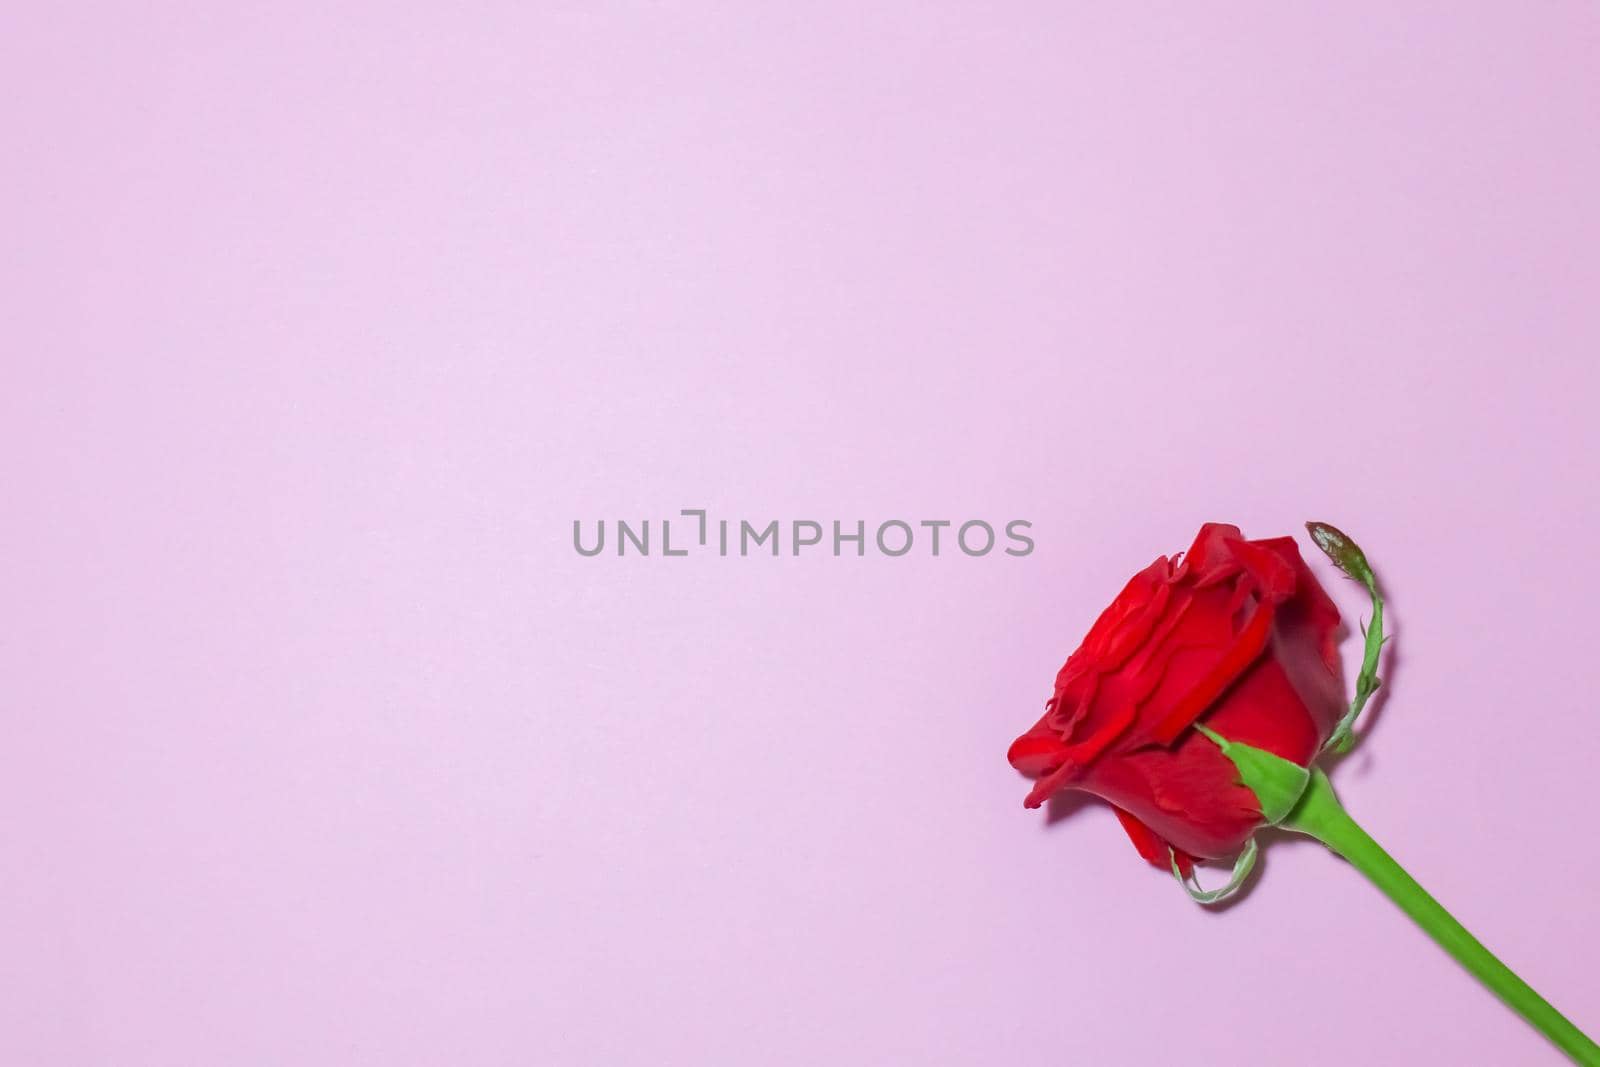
<point>322,746</point>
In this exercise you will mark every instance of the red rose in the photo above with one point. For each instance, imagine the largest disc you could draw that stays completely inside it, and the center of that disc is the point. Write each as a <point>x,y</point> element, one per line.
<point>1238,635</point>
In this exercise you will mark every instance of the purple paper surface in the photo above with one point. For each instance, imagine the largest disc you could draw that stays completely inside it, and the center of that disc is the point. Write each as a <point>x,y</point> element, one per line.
<point>322,744</point>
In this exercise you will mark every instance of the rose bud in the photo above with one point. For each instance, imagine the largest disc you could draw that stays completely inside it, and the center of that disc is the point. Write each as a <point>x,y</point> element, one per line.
<point>1236,635</point>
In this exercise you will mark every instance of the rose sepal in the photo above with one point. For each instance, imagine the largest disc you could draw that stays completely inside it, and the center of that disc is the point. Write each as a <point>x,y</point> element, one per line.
<point>1277,783</point>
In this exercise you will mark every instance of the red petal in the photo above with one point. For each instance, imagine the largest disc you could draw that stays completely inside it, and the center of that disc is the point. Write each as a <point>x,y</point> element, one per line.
<point>1188,795</point>
<point>1077,756</point>
<point>1036,754</point>
<point>1273,575</point>
<point>1264,709</point>
<point>1247,645</point>
<point>1310,609</point>
<point>1210,549</point>
<point>1151,846</point>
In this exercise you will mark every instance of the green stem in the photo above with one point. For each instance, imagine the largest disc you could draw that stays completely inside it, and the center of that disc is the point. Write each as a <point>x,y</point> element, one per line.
<point>1367,682</point>
<point>1320,815</point>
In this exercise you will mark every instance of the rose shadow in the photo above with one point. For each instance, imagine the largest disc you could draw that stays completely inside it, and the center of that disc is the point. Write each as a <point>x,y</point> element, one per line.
<point>1066,804</point>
